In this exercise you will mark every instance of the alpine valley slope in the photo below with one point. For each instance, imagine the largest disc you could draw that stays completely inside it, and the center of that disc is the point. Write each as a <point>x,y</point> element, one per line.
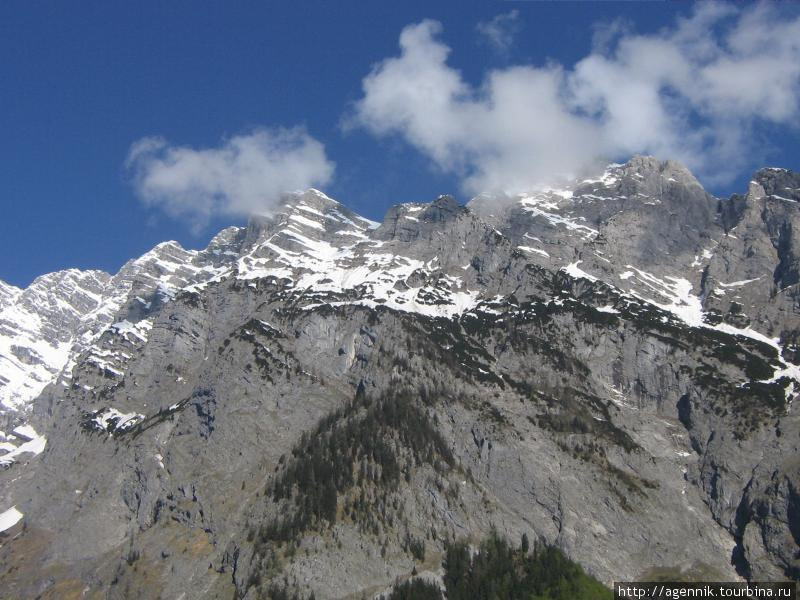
<point>325,401</point>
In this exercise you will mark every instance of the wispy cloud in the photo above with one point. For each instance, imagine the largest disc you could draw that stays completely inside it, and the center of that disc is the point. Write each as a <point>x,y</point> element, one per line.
<point>606,33</point>
<point>246,174</point>
<point>695,92</point>
<point>500,31</point>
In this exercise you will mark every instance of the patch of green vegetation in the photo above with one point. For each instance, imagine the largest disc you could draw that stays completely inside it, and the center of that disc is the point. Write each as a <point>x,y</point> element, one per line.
<point>712,317</point>
<point>192,299</point>
<point>588,314</point>
<point>447,343</point>
<point>697,572</point>
<point>531,329</point>
<point>499,572</point>
<point>790,342</point>
<point>493,413</point>
<point>568,413</point>
<point>750,405</point>
<point>415,589</point>
<point>751,356</point>
<point>349,464</point>
<point>269,355</point>
<point>415,547</point>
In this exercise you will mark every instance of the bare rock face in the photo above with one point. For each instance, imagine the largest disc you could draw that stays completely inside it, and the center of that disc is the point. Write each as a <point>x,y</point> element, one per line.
<point>324,402</point>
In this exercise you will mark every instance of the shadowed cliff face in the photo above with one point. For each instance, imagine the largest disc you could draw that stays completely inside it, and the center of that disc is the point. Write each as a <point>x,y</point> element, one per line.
<point>325,402</point>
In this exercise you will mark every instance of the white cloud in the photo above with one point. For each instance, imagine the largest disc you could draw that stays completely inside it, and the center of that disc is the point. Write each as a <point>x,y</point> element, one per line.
<point>605,33</point>
<point>477,133</point>
<point>694,92</point>
<point>500,31</point>
<point>246,174</point>
<point>697,91</point>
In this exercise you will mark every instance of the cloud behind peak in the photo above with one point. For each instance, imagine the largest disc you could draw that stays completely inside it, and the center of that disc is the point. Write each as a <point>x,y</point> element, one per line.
<point>245,174</point>
<point>694,91</point>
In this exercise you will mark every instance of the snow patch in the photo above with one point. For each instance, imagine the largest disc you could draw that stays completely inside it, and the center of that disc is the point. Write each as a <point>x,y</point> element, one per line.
<point>573,270</point>
<point>535,250</point>
<point>112,420</point>
<point>607,309</point>
<point>33,443</point>
<point>10,518</point>
<point>138,330</point>
<point>307,222</point>
<point>740,283</point>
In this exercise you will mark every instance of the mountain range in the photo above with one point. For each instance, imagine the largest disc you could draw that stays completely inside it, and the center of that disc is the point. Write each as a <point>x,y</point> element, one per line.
<point>608,367</point>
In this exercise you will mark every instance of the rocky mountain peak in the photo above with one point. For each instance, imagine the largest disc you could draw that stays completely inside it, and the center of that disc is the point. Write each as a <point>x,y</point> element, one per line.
<point>64,294</point>
<point>37,327</point>
<point>312,197</point>
<point>648,166</point>
<point>225,245</point>
<point>646,178</point>
<point>442,210</point>
<point>755,191</point>
<point>309,215</point>
<point>782,183</point>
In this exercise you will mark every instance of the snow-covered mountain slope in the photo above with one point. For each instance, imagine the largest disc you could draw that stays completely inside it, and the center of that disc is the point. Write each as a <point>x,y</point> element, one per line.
<point>37,329</point>
<point>645,227</point>
<point>313,246</point>
<point>326,253</point>
<point>44,328</point>
<point>649,228</point>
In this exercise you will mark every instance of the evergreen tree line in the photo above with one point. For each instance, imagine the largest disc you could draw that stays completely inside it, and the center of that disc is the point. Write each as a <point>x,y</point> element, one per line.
<point>369,442</point>
<point>499,572</point>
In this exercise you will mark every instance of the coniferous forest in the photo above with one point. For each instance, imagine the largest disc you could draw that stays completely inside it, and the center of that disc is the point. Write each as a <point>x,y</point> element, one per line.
<point>497,571</point>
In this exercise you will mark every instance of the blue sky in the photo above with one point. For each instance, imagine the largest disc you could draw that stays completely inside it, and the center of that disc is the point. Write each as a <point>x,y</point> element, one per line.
<point>82,83</point>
